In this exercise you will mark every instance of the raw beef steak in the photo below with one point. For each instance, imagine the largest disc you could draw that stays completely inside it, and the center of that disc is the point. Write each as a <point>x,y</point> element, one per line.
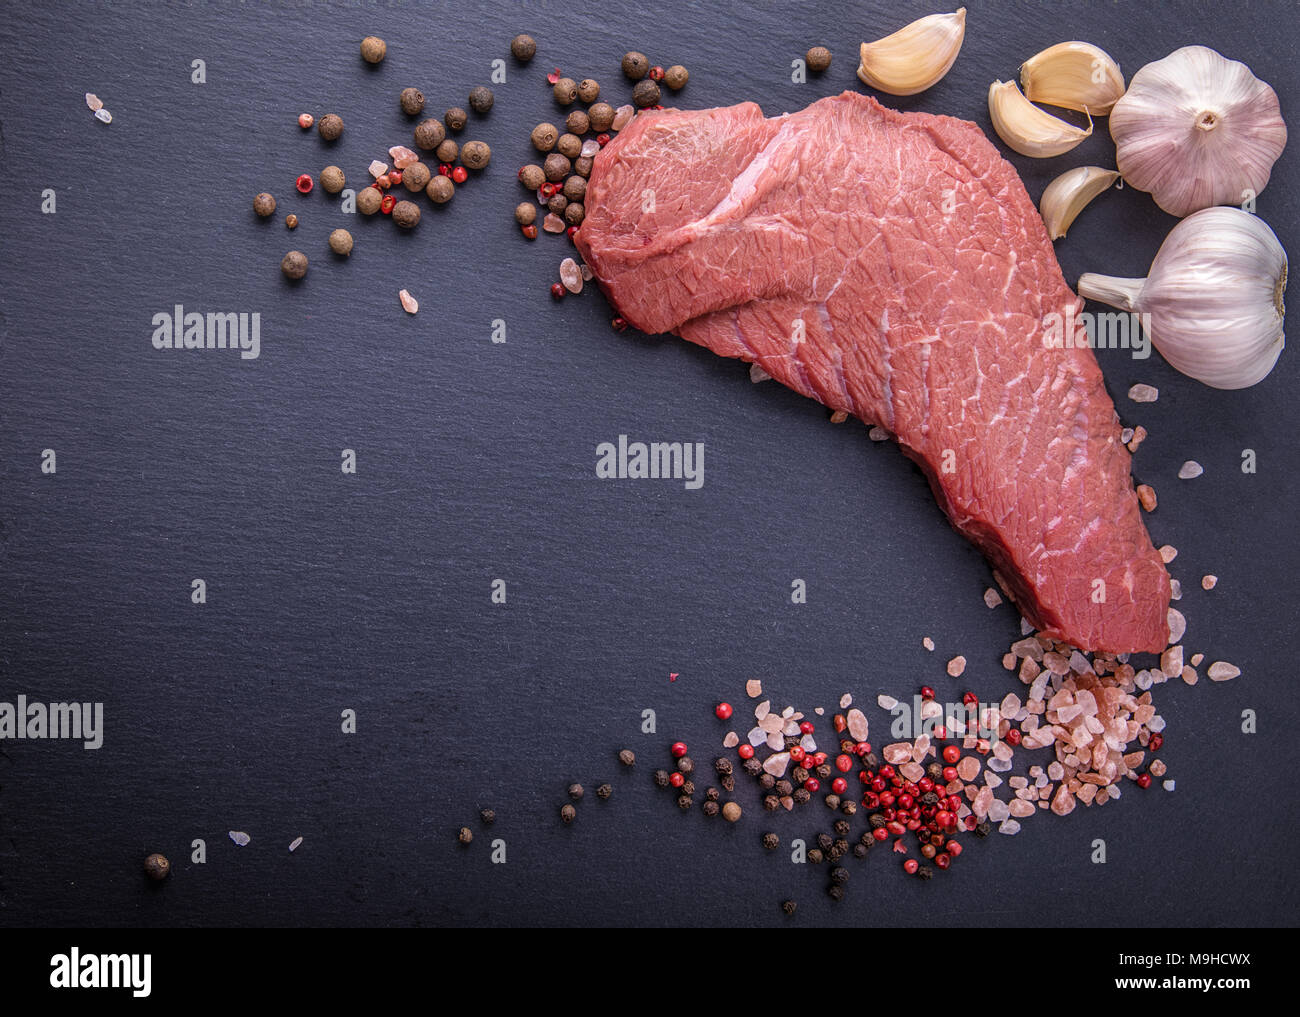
<point>892,266</point>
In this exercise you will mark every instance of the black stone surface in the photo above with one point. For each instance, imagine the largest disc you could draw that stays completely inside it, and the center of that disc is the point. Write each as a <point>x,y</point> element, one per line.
<point>328,592</point>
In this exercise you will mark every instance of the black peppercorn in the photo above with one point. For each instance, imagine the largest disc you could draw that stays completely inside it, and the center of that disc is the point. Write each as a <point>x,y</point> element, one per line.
<point>487,817</point>
<point>577,123</point>
<point>373,49</point>
<point>835,892</point>
<point>645,94</point>
<point>771,841</point>
<point>842,827</point>
<point>722,764</point>
<point>466,835</point>
<point>475,154</point>
<point>925,872</point>
<point>983,829</point>
<point>565,91</point>
<point>849,807</point>
<point>157,867</point>
<point>791,741</point>
<point>832,801</point>
<point>406,214</point>
<point>523,48</point>
<point>840,848</point>
<point>330,126</point>
<point>860,850</point>
<point>556,167</point>
<point>788,906</point>
<point>824,771</point>
<point>824,841</point>
<point>727,781</point>
<point>412,101</point>
<point>661,778</point>
<point>935,771</point>
<point>627,757</point>
<point>753,767</point>
<point>870,761</point>
<point>481,99</point>
<point>799,775</point>
<point>685,764</point>
<point>818,59</point>
<point>712,794</point>
<point>784,787</point>
<point>711,808</point>
<point>688,788</point>
<point>544,137</point>
<point>604,791</point>
<point>930,798</point>
<point>429,134</point>
<point>802,796</point>
<point>294,265</point>
<point>684,802</point>
<point>847,747</point>
<point>576,792</point>
<point>264,205</point>
<point>455,119</point>
<point>877,820</point>
<point>771,803</point>
<point>676,76</point>
<point>635,65</point>
<point>840,876</point>
<point>767,782</point>
<point>601,116</point>
<point>588,90</point>
<point>867,840</point>
<point>568,813</point>
<point>447,151</point>
<point>814,856</point>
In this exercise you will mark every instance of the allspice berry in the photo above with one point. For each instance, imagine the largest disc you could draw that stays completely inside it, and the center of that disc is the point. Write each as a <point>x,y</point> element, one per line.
<point>817,59</point>
<point>291,221</point>
<point>466,835</point>
<point>332,179</point>
<point>523,48</point>
<point>481,99</point>
<point>264,204</point>
<point>588,90</point>
<point>731,812</point>
<point>368,200</point>
<point>601,115</point>
<point>604,791</point>
<point>447,151</point>
<point>455,119</point>
<point>569,146</point>
<point>568,813</point>
<point>565,91</point>
<point>582,166</point>
<point>411,101</point>
<point>574,213</point>
<point>635,65</point>
<point>294,265</point>
<point>475,154</point>
<point>330,126</point>
<point>373,49</point>
<point>645,94</point>
<point>577,122</point>
<point>557,204</point>
<point>341,242</point>
<point>532,176</point>
<point>556,167</point>
<point>525,213</point>
<point>627,757</point>
<point>406,214</point>
<point>157,867</point>
<point>788,906</point>
<point>676,76</point>
<point>575,188</point>
<point>544,137</point>
<point>487,817</point>
<point>429,134</point>
<point>416,177</point>
<point>440,189</point>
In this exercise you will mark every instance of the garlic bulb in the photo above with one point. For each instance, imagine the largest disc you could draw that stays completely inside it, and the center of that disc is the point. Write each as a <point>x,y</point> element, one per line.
<point>1212,302</point>
<point>1073,75</point>
<point>1196,129</point>
<point>1069,194</point>
<point>916,56</point>
<point>1028,129</point>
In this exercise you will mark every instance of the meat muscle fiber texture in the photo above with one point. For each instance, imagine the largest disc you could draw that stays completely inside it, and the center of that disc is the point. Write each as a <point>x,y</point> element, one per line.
<point>892,266</point>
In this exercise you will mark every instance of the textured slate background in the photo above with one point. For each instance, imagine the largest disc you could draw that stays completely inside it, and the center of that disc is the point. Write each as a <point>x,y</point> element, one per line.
<point>371,592</point>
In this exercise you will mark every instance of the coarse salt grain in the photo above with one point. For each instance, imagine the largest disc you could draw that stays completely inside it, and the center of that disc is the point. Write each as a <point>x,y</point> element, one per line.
<point>1197,658</point>
<point>731,741</point>
<point>846,701</point>
<point>239,837</point>
<point>1144,393</point>
<point>992,598</point>
<point>1168,553</point>
<point>856,721</point>
<point>1177,626</point>
<point>928,643</point>
<point>571,275</point>
<point>93,101</point>
<point>776,764</point>
<point>878,433</point>
<point>886,702</point>
<point>377,169</point>
<point>1175,589</point>
<point>956,666</point>
<point>753,688</point>
<point>402,156</point>
<point>295,843</point>
<point>553,223</point>
<point>1222,671</point>
<point>409,303</point>
<point>757,374</point>
<point>589,149</point>
<point>1209,582</point>
<point>622,117</point>
<point>1190,470</point>
<point>103,116</point>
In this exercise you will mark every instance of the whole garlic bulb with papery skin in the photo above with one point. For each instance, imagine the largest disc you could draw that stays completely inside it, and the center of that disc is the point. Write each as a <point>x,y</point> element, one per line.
<point>1197,129</point>
<point>1213,298</point>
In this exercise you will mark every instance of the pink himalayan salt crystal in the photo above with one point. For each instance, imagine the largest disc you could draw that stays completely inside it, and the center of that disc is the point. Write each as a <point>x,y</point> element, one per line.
<point>240,838</point>
<point>571,275</point>
<point>928,643</point>
<point>898,752</point>
<point>787,803</point>
<point>93,101</point>
<point>622,117</point>
<point>1209,582</point>
<point>1189,675</point>
<point>1019,808</point>
<point>1063,803</point>
<point>103,116</point>
<point>1190,470</point>
<point>878,433</point>
<point>589,149</point>
<point>846,701</point>
<point>1177,626</point>
<point>956,666</point>
<point>776,764</point>
<point>377,169</point>
<point>1010,827</point>
<point>980,806</point>
<point>295,844</point>
<point>856,721</point>
<point>912,771</point>
<point>553,223</point>
<point>753,688</point>
<point>1144,393</point>
<point>1087,793</point>
<point>1222,671</point>
<point>409,303</point>
<point>968,768</point>
<point>402,156</point>
<point>998,810</point>
<point>731,741</point>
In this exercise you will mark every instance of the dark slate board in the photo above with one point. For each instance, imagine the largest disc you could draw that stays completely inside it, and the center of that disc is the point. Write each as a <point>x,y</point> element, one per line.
<point>476,461</point>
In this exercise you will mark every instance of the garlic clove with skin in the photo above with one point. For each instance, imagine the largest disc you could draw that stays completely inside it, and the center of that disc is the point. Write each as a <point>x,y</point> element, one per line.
<point>1213,298</point>
<point>1196,129</point>
<point>1028,129</point>
<point>916,56</point>
<point>1073,75</point>
<point>1069,194</point>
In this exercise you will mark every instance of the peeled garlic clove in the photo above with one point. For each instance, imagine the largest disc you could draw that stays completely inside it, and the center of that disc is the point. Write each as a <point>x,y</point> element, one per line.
<point>1028,129</point>
<point>916,56</point>
<point>1212,302</point>
<point>1073,75</point>
<point>1196,129</point>
<point>1069,194</point>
